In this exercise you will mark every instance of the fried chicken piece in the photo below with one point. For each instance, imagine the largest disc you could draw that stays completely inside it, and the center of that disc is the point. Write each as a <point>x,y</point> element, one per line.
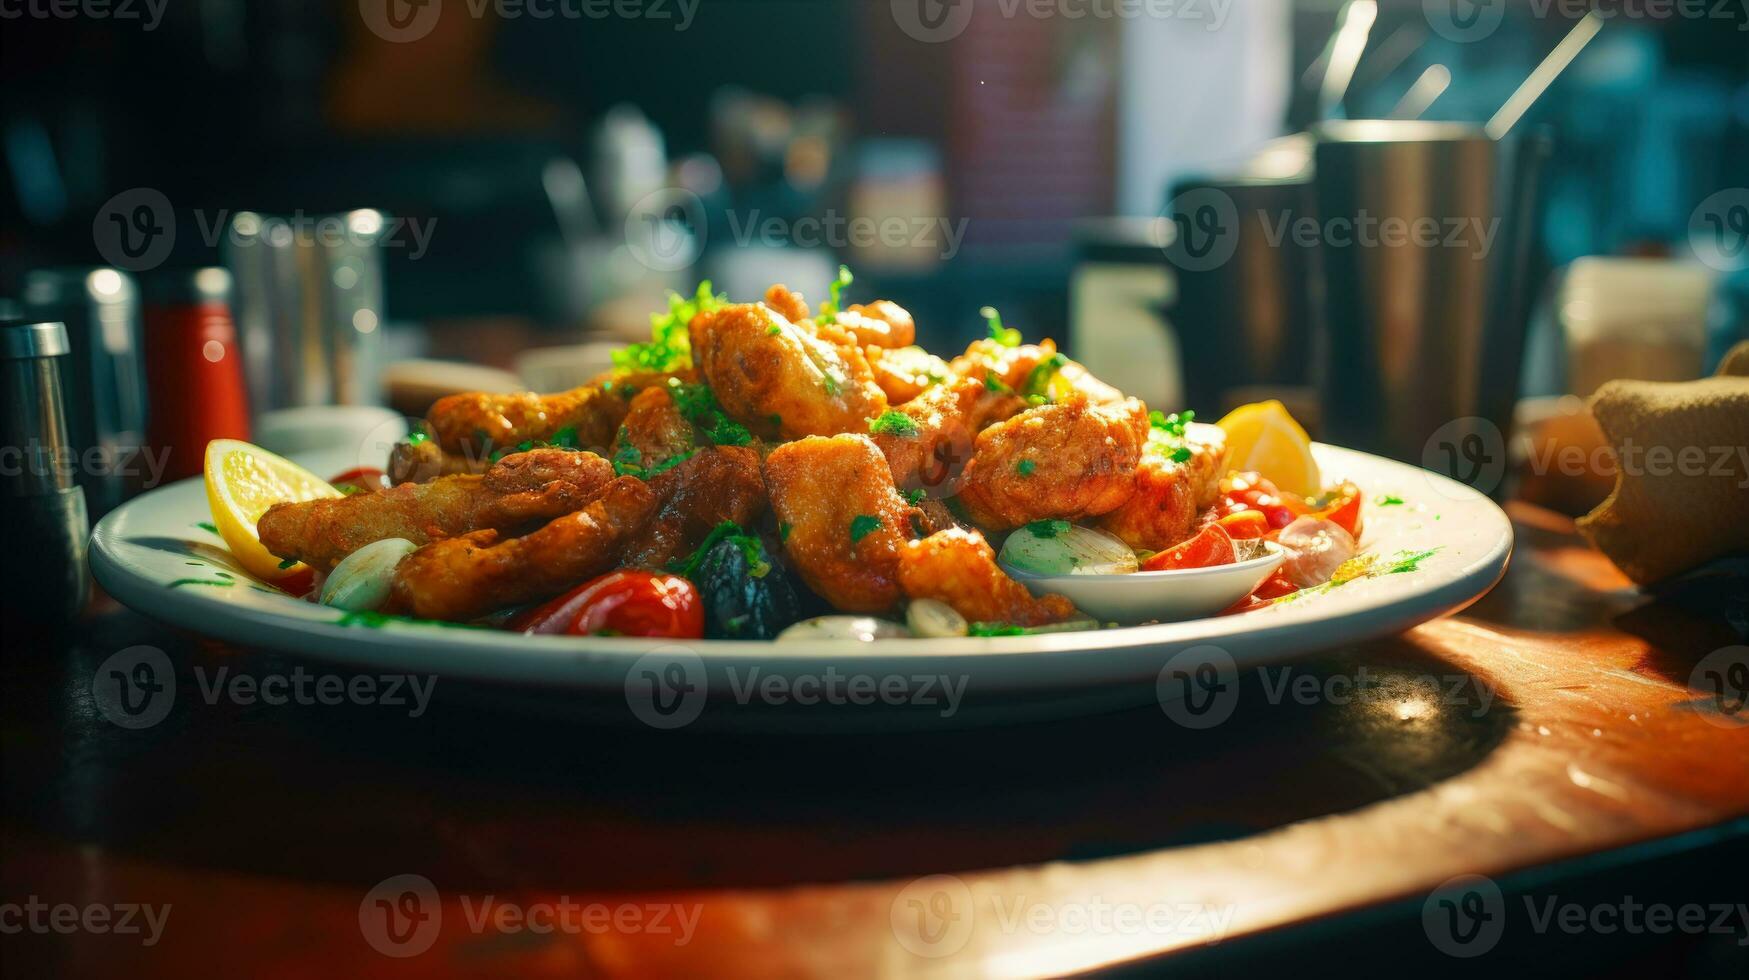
<point>847,522</point>
<point>777,379</point>
<point>1070,460</point>
<point>789,304</point>
<point>958,567</point>
<point>716,485</point>
<point>519,491</point>
<point>882,323</point>
<point>461,579</point>
<point>945,423</point>
<point>424,460</point>
<point>654,428</point>
<point>1169,495</point>
<point>906,372</point>
<point>1030,366</point>
<point>477,421</point>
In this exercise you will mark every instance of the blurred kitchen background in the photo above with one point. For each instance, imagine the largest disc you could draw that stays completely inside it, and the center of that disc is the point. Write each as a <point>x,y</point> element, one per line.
<point>352,200</point>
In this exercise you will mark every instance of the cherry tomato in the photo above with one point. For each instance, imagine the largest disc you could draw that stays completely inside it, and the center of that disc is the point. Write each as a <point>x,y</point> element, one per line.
<point>363,479</point>
<point>1273,588</point>
<point>1241,492</point>
<point>624,603</point>
<point>298,585</point>
<point>1213,546</point>
<point>1343,509</point>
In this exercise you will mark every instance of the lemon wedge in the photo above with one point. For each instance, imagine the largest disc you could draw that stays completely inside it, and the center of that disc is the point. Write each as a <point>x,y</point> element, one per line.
<point>242,481</point>
<point>1265,439</point>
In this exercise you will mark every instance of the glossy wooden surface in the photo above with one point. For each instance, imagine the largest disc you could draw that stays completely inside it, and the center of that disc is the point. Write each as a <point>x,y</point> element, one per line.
<point>1554,719</point>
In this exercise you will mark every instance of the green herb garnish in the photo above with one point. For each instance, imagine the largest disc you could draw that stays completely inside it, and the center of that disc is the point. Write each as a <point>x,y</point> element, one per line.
<point>1038,381</point>
<point>1006,336</point>
<point>1390,500</point>
<point>1025,467</point>
<point>669,349</point>
<point>914,497</point>
<point>289,562</point>
<point>1048,529</point>
<point>417,438</point>
<point>1172,425</point>
<point>862,526</point>
<point>996,629</point>
<point>699,405</point>
<point>892,423</point>
<point>829,309</point>
<point>751,547</point>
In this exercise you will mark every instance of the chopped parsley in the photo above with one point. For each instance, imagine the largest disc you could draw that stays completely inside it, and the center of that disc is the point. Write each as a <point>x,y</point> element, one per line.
<point>289,562</point>
<point>1006,336</point>
<point>565,438</point>
<point>862,526</point>
<point>752,549</point>
<point>995,384</point>
<point>629,461</point>
<point>417,438</point>
<point>773,330</point>
<point>1025,467</point>
<point>914,497</point>
<point>829,309</point>
<point>1172,425</point>
<point>996,629</point>
<point>892,423</point>
<point>669,349</point>
<point>783,531</point>
<point>834,387</point>
<point>1048,529</point>
<point>699,405</point>
<point>1390,500</point>
<point>1037,388</point>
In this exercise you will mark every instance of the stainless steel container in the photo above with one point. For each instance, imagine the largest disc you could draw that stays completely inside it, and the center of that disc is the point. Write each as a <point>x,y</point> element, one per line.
<point>309,306</point>
<point>105,384</point>
<point>42,567</point>
<point>1425,256</point>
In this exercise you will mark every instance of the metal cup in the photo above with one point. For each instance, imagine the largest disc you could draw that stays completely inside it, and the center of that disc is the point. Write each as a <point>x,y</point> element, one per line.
<point>1425,256</point>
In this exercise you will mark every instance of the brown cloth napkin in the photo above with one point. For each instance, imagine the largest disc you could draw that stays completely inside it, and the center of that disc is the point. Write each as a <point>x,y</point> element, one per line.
<point>1682,483</point>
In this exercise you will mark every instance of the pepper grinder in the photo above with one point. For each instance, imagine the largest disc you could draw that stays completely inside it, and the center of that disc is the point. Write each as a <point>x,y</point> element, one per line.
<point>42,567</point>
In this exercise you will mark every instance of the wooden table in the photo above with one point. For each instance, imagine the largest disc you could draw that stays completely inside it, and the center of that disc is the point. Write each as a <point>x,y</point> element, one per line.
<point>1563,748</point>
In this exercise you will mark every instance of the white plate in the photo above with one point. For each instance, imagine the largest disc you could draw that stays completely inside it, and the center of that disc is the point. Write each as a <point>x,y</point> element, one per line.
<point>144,549</point>
<point>1163,597</point>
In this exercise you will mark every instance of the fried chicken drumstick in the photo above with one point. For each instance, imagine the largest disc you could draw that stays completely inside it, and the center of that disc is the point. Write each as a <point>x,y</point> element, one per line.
<point>520,491</point>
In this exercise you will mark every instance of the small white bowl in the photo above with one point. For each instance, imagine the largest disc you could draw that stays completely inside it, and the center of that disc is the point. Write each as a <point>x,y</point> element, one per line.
<point>1186,593</point>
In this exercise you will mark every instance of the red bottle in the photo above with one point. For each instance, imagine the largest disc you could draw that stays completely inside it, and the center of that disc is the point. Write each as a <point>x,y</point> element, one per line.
<point>194,367</point>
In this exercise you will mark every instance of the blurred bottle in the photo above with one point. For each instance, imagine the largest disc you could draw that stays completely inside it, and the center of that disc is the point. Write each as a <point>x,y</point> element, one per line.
<point>194,366</point>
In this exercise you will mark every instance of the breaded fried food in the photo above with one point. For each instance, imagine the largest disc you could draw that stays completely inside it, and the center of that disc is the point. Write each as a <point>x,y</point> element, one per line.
<point>423,460</point>
<point>712,486</point>
<point>958,567</point>
<point>778,379</point>
<point>906,372</point>
<point>654,428</point>
<point>479,421</point>
<point>1070,460</point>
<point>519,491</point>
<point>847,523</point>
<point>461,579</point>
<point>1176,480</point>
<point>1033,369</point>
<point>930,451</point>
<point>882,323</point>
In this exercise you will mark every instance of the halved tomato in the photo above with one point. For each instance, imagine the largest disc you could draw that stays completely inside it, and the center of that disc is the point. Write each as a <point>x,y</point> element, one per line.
<point>1212,546</point>
<point>625,603</point>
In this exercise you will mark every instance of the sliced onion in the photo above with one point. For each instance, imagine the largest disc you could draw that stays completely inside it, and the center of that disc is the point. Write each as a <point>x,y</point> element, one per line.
<point>1048,548</point>
<point>360,583</point>
<point>864,628</point>
<point>1315,549</point>
<point>934,619</point>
